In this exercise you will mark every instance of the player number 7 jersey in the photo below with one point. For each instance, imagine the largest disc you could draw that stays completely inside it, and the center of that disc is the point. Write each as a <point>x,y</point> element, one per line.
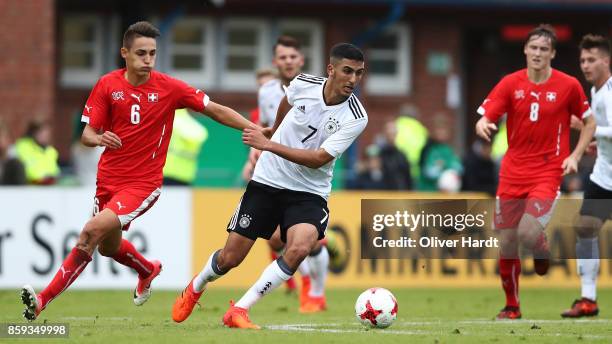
<point>311,124</point>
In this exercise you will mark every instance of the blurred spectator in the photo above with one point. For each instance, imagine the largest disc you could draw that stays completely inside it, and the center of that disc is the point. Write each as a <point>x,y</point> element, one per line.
<point>371,177</point>
<point>261,77</point>
<point>395,166</point>
<point>500,143</point>
<point>84,159</point>
<point>188,136</point>
<point>39,158</point>
<point>411,138</point>
<point>12,171</point>
<point>480,173</point>
<point>438,156</point>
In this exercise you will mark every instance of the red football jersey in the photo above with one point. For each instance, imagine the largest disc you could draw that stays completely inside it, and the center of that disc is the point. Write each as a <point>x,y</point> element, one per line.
<point>142,117</point>
<point>538,122</point>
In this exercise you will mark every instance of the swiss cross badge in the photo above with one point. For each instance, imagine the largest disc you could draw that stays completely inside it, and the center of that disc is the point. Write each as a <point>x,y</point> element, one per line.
<point>153,97</point>
<point>551,96</point>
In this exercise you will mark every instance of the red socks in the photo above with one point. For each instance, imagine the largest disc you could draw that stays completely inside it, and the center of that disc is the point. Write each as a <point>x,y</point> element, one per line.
<point>509,271</point>
<point>128,256</point>
<point>71,268</point>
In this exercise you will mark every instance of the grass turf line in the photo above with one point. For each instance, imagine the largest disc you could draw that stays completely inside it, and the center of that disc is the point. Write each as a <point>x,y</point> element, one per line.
<point>425,316</point>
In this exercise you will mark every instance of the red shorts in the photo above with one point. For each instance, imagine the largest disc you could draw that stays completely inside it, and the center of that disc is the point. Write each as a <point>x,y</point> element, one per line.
<point>513,200</point>
<point>128,202</point>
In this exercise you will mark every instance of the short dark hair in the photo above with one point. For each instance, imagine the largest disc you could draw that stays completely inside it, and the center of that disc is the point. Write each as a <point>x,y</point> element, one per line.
<point>35,125</point>
<point>139,29</point>
<point>591,41</point>
<point>543,30</point>
<point>345,51</point>
<point>287,41</point>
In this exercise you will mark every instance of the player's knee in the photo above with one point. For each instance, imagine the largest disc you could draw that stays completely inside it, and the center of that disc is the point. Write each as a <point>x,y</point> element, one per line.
<point>276,243</point>
<point>108,251</point>
<point>297,252</point>
<point>525,237</point>
<point>90,236</point>
<point>228,260</point>
<point>587,226</point>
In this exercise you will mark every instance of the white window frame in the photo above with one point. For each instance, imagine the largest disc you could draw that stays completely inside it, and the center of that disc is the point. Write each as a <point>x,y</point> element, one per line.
<point>401,82</point>
<point>201,77</point>
<point>244,81</point>
<point>84,77</point>
<point>315,51</point>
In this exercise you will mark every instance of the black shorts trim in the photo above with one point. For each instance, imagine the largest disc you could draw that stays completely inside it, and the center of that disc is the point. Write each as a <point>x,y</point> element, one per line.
<point>263,208</point>
<point>597,201</point>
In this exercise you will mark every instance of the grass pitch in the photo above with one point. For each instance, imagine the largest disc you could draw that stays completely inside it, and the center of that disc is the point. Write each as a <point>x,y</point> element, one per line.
<point>425,316</point>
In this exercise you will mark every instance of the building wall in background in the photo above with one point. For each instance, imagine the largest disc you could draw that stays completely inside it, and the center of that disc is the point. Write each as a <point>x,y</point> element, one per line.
<point>439,47</point>
<point>27,65</point>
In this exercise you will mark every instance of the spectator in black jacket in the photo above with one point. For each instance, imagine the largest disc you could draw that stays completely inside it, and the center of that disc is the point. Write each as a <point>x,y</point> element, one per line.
<point>395,166</point>
<point>479,169</point>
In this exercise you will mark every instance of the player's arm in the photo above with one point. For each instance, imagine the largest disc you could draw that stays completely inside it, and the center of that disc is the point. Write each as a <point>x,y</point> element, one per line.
<point>491,109</point>
<point>306,157</point>
<point>605,131</point>
<point>570,164</point>
<point>92,138</point>
<point>484,128</point>
<point>227,116</point>
<point>283,109</point>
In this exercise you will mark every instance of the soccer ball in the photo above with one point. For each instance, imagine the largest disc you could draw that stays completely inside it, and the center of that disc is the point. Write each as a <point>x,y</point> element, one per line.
<point>376,307</point>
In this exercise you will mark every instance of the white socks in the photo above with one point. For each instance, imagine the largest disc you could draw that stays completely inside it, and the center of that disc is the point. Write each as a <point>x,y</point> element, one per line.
<point>304,268</point>
<point>274,275</point>
<point>318,263</point>
<point>588,268</point>
<point>210,273</point>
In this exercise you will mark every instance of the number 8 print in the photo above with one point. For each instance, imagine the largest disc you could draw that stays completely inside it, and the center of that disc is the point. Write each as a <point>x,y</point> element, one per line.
<point>533,114</point>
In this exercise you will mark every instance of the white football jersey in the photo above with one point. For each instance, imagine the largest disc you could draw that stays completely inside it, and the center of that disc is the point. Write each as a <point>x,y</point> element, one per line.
<point>311,124</point>
<point>269,97</point>
<point>601,105</point>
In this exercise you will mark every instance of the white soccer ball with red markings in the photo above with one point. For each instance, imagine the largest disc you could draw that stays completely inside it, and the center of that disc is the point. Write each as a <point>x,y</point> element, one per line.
<point>376,307</point>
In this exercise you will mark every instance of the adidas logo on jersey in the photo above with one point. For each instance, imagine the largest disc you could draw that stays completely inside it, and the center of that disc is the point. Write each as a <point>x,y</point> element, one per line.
<point>302,108</point>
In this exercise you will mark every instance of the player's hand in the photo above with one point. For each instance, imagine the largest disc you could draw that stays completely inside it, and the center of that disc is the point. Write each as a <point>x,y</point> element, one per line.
<point>576,123</point>
<point>110,140</point>
<point>484,128</point>
<point>570,165</point>
<point>254,138</point>
<point>267,132</point>
<point>592,148</point>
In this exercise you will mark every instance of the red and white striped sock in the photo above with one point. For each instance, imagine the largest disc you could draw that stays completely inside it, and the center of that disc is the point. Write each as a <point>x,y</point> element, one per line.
<point>71,268</point>
<point>509,271</point>
<point>129,256</point>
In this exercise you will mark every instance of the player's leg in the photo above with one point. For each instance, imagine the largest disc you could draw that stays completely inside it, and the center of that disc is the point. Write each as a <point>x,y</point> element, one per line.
<point>509,208</point>
<point>594,212</point>
<point>257,215</point>
<point>276,250</point>
<point>509,272</point>
<point>218,264</point>
<point>300,241</point>
<point>539,208</point>
<point>93,232</point>
<point>318,262</point>
<point>130,204</point>
<point>123,252</point>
